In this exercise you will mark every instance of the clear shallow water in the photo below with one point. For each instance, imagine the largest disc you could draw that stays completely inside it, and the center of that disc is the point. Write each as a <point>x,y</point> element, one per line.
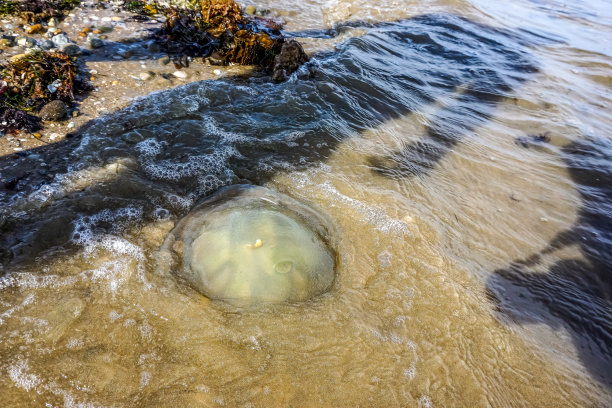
<point>462,155</point>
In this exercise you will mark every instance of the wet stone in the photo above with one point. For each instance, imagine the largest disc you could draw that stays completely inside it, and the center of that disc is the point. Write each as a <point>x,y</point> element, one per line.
<point>26,42</point>
<point>71,49</point>
<point>154,47</point>
<point>94,42</point>
<point>290,58</point>
<point>60,40</point>
<point>125,54</point>
<point>54,111</point>
<point>144,76</point>
<point>47,45</point>
<point>132,137</point>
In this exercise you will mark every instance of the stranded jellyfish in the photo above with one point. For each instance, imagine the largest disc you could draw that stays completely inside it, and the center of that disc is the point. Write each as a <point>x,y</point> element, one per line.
<point>249,244</point>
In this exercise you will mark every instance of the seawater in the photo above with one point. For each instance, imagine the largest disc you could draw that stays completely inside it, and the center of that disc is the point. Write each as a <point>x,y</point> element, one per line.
<point>461,150</point>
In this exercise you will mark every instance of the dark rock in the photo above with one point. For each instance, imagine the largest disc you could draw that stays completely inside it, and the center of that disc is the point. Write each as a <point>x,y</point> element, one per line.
<point>94,42</point>
<point>47,45</point>
<point>54,110</point>
<point>154,48</point>
<point>71,49</point>
<point>289,59</point>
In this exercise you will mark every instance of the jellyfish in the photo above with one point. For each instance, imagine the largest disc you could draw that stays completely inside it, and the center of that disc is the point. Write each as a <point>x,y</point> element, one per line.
<point>249,245</point>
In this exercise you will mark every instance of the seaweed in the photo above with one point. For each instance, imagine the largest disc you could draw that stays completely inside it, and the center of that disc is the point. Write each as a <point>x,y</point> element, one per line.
<point>8,7</point>
<point>30,81</point>
<point>143,10</point>
<point>36,11</point>
<point>12,120</point>
<point>221,29</point>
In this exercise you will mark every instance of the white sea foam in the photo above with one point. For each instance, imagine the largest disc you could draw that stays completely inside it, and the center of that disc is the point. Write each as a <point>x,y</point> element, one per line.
<point>8,313</point>
<point>116,271</point>
<point>19,373</point>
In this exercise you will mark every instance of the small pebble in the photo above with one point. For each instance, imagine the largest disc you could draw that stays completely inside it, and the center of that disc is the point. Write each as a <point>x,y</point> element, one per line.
<point>145,76</point>
<point>47,45</point>
<point>154,47</point>
<point>125,54</point>
<point>180,74</point>
<point>71,49</point>
<point>26,42</point>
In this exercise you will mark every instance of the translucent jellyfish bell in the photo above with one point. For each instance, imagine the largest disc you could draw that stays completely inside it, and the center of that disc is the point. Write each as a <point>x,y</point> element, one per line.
<point>249,244</point>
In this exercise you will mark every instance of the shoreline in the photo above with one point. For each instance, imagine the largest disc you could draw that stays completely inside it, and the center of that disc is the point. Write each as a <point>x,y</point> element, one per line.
<point>129,64</point>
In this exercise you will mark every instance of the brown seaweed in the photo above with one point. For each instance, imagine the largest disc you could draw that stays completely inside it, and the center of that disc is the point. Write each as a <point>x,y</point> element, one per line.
<point>221,29</point>
<point>36,11</point>
<point>30,81</point>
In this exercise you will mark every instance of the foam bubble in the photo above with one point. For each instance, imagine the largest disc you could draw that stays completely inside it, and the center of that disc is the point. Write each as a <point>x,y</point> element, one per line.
<point>425,402</point>
<point>410,372</point>
<point>18,372</point>
<point>7,314</point>
<point>210,170</point>
<point>145,378</point>
<point>83,233</point>
<point>116,271</point>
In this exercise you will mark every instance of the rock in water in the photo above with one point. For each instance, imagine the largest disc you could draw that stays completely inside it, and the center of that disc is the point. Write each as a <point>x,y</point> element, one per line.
<point>54,111</point>
<point>289,59</point>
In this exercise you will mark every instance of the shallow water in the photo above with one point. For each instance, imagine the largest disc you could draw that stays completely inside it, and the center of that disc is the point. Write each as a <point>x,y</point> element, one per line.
<point>459,150</point>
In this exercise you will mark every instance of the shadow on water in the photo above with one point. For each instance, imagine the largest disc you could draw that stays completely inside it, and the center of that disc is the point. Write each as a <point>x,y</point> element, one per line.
<point>576,293</point>
<point>189,141</point>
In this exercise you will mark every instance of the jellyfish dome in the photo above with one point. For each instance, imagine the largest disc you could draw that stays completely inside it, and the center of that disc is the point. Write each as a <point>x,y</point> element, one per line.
<point>251,245</point>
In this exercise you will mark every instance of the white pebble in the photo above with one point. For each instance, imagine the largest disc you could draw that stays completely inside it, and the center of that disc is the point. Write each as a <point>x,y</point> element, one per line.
<point>180,74</point>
